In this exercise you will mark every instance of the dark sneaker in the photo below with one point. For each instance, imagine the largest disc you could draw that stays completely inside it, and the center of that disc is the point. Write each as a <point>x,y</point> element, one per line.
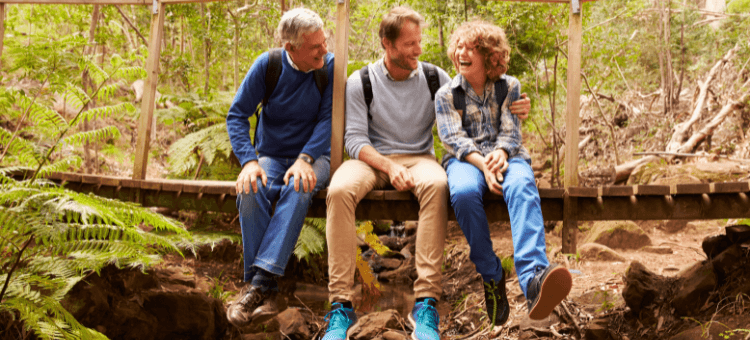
<point>424,319</point>
<point>498,308</point>
<point>240,312</point>
<point>339,319</point>
<point>547,289</point>
<point>272,304</point>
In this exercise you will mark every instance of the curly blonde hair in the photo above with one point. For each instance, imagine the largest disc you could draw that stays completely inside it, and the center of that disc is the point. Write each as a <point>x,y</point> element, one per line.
<point>489,40</point>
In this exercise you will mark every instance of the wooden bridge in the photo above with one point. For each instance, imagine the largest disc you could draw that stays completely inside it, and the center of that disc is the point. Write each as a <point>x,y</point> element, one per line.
<point>638,202</point>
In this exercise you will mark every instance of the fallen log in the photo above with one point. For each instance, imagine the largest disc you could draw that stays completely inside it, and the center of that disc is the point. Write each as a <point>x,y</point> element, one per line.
<point>622,171</point>
<point>681,129</point>
<point>707,130</point>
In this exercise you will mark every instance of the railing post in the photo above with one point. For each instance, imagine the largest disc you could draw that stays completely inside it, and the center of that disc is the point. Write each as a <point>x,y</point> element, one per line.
<point>570,214</point>
<point>341,51</point>
<point>149,90</point>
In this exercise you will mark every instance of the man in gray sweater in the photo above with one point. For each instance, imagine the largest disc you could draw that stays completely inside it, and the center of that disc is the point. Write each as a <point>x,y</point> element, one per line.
<point>390,142</point>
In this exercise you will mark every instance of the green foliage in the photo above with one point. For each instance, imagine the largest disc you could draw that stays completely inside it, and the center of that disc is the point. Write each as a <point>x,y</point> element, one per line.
<point>312,239</point>
<point>54,237</point>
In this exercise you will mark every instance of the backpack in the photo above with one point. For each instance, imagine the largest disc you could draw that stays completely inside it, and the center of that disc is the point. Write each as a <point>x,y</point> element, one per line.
<point>273,72</point>
<point>459,96</point>
<point>429,70</point>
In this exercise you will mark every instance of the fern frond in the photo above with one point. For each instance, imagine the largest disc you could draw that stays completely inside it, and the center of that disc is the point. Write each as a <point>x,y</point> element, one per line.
<point>97,74</point>
<point>107,91</point>
<point>131,72</point>
<point>311,241</point>
<point>41,114</point>
<point>21,149</point>
<point>209,140</point>
<point>102,112</point>
<point>76,96</point>
<point>92,136</point>
<point>60,165</point>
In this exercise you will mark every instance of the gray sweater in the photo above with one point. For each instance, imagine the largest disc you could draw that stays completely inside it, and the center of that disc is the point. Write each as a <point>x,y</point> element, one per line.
<point>402,114</point>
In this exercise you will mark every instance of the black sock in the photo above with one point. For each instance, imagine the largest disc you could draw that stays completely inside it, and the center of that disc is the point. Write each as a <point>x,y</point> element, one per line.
<point>264,280</point>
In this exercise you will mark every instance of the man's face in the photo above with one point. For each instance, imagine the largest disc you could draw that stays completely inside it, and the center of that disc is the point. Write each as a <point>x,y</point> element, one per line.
<point>310,55</point>
<point>406,49</point>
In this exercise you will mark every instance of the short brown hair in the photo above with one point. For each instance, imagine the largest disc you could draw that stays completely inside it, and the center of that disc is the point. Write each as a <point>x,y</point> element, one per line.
<point>489,40</point>
<point>390,26</point>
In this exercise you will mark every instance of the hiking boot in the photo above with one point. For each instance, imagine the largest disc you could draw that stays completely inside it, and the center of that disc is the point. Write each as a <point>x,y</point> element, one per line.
<point>498,308</point>
<point>424,319</point>
<point>272,304</point>
<point>547,289</point>
<point>252,306</point>
<point>339,319</point>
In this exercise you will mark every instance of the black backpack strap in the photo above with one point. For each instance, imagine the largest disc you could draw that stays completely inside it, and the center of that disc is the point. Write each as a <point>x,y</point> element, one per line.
<point>501,91</point>
<point>459,100</point>
<point>273,72</point>
<point>364,73</point>
<point>321,77</point>
<point>433,80</point>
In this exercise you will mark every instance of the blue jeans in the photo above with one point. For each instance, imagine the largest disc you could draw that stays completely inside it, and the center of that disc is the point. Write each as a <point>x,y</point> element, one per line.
<point>467,187</point>
<point>268,236</point>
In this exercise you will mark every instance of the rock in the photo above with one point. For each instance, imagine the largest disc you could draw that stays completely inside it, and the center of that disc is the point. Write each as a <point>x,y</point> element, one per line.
<point>715,245</point>
<point>392,242</point>
<point>293,324</point>
<point>373,324</point>
<point>657,250</point>
<point>128,304</point>
<point>393,335</point>
<point>728,262</point>
<point>693,288</point>
<point>385,263</point>
<point>618,235</point>
<point>264,336</point>
<point>674,226</point>
<point>711,330</point>
<point>224,251</point>
<point>738,233</point>
<point>642,287</point>
<point>598,252</point>
<point>598,329</point>
<point>407,273</point>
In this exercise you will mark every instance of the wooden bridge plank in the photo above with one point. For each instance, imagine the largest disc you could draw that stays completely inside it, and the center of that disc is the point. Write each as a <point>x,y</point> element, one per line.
<point>583,192</point>
<point>731,187</point>
<point>653,190</point>
<point>694,188</point>
<point>618,190</point>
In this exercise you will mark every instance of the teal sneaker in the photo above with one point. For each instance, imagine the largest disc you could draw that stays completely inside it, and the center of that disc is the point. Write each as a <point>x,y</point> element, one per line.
<point>339,319</point>
<point>424,319</point>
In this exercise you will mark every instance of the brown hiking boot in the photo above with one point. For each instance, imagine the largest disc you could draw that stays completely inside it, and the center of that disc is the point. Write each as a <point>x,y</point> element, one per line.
<point>272,304</point>
<point>240,312</point>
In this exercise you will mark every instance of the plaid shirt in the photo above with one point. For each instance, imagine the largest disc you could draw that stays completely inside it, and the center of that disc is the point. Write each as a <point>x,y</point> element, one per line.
<point>483,127</point>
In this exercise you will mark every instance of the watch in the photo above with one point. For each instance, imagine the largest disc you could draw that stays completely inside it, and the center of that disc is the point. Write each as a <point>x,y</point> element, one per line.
<point>306,158</point>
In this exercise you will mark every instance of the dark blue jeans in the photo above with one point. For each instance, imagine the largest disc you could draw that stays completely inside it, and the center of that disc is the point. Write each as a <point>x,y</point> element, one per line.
<point>467,187</point>
<point>268,236</point>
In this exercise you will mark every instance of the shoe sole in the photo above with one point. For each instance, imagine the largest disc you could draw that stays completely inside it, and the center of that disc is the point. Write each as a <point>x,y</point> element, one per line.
<point>413,326</point>
<point>555,288</point>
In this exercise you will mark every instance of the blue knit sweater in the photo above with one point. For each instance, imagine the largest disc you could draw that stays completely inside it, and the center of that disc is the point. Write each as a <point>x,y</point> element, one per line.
<point>295,120</point>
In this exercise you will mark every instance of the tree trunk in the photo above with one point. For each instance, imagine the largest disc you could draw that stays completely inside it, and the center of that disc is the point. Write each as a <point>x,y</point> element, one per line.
<point>667,83</point>
<point>441,39</point>
<point>235,50</point>
<point>207,47</point>
<point>88,85</point>
<point>2,31</point>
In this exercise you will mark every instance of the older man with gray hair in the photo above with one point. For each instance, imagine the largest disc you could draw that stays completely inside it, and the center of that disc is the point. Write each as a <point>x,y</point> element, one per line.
<point>290,160</point>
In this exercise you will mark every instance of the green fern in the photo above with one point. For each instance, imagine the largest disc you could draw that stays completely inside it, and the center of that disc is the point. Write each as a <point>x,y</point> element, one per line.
<point>53,237</point>
<point>312,239</point>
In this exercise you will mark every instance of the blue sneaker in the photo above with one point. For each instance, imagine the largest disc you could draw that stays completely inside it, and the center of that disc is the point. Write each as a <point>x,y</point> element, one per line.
<point>339,319</point>
<point>424,319</point>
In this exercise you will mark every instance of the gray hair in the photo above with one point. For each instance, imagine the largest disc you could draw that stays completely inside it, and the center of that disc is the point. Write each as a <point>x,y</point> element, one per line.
<point>296,22</point>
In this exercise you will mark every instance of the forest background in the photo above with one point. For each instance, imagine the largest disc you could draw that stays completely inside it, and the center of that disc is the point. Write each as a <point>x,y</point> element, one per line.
<point>70,77</point>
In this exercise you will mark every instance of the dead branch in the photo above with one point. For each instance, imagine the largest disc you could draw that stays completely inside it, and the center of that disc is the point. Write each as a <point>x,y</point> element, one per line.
<point>601,113</point>
<point>125,17</point>
<point>711,126</point>
<point>681,129</point>
<point>622,171</point>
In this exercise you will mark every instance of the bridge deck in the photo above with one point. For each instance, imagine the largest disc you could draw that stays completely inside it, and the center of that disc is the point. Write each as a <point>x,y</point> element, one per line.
<point>640,202</point>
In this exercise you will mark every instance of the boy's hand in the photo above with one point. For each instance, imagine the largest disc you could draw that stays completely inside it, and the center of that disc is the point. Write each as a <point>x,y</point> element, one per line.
<point>521,107</point>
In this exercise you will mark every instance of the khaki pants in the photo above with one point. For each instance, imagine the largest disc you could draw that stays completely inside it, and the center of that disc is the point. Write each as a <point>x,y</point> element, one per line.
<point>351,182</point>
